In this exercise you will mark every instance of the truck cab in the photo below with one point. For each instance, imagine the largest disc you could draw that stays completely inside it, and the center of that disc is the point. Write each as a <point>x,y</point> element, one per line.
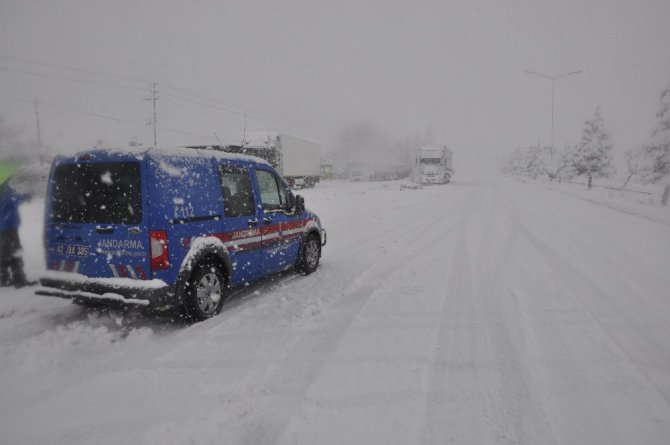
<point>432,165</point>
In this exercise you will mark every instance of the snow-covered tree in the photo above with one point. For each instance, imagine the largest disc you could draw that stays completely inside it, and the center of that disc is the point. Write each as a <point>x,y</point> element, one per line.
<point>564,166</point>
<point>526,162</point>
<point>659,146</point>
<point>593,154</point>
<point>639,164</point>
<point>535,162</point>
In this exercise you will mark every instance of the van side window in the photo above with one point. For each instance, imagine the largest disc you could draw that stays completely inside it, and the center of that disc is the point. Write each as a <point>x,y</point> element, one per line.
<point>274,195</point>
<point>238,198</point>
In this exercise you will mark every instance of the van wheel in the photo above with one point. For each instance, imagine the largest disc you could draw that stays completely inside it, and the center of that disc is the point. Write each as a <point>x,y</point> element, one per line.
<point>204,293</point>
<point>310,254</point>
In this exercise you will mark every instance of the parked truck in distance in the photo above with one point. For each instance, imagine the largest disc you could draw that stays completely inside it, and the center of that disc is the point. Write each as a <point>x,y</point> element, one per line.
<point>433,164</point>
<point>297,160</point>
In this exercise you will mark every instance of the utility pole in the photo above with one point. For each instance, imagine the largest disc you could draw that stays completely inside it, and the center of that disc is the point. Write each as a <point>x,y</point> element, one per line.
<point>244,136</point>
<point>153,99</point>
<point>39,132</point>
<point>553,79</point>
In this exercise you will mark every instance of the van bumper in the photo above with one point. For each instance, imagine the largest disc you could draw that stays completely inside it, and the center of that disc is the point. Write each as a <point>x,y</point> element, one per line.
<point>154,294</point>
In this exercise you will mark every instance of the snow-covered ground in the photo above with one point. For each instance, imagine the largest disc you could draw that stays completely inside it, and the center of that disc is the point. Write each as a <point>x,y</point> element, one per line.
<point>640,200</point>
<point>477,312</point>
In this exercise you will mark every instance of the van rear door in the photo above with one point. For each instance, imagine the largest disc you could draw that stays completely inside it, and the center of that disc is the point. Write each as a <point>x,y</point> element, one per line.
<point>97,221</point>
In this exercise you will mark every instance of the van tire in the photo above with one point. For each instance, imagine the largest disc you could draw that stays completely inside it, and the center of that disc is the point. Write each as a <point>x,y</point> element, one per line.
<point>310,253</point>
<point>204,292</point>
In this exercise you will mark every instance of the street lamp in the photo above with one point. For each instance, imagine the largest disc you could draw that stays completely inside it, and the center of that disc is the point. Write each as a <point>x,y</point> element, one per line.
<point>553,79</point>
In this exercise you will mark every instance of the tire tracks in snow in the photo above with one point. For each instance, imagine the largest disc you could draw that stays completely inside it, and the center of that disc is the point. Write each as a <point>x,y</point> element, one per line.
<point>596,315</point>
<point>513,407</point>
<point>320,347</point>
<point>476,388</point>
<point>582,285</point>
<point>366,254</point>
<point>273,392</point>
<point>442,417</point>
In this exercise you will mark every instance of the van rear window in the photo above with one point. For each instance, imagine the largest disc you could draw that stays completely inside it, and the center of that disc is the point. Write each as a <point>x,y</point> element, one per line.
<point>107,193</point>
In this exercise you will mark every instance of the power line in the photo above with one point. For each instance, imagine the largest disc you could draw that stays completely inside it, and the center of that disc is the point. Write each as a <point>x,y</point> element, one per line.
<point>115,119</point>
<point>47,93</point>
<point>101,116</point>
<point>18,90</point>
<point>243,112</point>
<point>68,68</point>
<point>37,102</point>
<point>69,79</point>
<point>211,116</point>
<point>203,104</point>
<point>228,107</point>
<point>187,133</point>
<point>242,109</point>
<point>14,99</point>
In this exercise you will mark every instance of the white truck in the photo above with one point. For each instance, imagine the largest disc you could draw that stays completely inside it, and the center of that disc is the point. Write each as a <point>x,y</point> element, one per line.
<point>433,164</point>
<point>297,160</point>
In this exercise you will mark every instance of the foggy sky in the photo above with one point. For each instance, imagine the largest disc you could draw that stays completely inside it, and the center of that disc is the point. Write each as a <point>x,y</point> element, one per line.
<point>311,68</point>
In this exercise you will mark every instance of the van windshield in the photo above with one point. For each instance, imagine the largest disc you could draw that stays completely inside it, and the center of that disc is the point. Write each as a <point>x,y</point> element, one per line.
<point>107,193</point>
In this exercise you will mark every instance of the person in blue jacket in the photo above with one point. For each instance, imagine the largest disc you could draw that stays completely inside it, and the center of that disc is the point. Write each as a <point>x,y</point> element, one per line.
<point>11,263</point>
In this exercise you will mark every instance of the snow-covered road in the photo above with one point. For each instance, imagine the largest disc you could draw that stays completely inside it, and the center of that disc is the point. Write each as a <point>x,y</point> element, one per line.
<point>477,312</point>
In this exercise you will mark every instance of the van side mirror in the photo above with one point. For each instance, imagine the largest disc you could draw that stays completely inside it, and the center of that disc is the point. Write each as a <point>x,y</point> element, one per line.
<point>299,204</point>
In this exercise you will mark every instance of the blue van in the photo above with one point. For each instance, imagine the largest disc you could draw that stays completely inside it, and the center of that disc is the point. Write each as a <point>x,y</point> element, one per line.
<point>160,228</point>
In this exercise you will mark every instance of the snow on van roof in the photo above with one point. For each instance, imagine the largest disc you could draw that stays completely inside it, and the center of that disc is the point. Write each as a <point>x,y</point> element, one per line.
<point>205,153</point>
<point>182,152</point>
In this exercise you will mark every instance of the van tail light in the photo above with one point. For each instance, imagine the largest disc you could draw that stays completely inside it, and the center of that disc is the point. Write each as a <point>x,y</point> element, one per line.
<point>159,249</point>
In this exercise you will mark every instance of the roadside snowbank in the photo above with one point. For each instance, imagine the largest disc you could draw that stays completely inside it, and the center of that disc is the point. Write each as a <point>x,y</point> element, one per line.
<point>643,201</point>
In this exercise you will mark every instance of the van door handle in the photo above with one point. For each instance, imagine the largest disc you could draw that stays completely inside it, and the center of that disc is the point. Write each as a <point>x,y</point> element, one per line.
<point>104,229</point>
<point>267,220</point>
<point>253,222</point>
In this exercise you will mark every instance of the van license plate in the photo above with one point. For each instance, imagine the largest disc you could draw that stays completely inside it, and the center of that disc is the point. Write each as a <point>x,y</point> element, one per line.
<point>72,249</point>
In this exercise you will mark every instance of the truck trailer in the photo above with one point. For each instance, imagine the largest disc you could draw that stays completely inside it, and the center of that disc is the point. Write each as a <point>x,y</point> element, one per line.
<point>297,160</point>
